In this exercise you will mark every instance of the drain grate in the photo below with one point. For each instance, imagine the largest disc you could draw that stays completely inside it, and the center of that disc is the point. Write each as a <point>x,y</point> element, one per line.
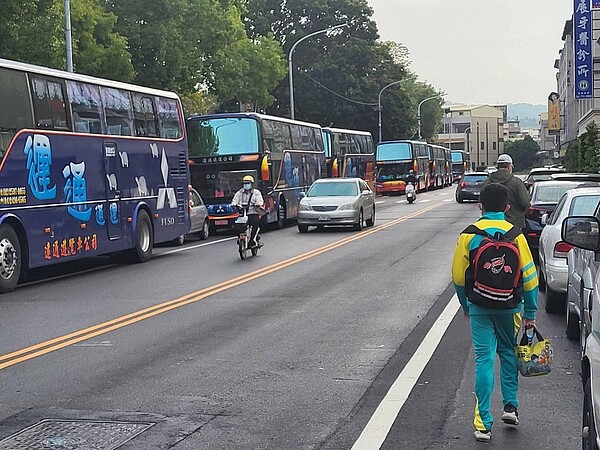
<point>61,434</point>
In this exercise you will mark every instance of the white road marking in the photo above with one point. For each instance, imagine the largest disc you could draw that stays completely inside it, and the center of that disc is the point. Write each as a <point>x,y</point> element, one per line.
<point>191,247</point>
<point>443,193</point>
<point>374,434</point>
<point>379,202</point>
<point>448,200</point>
<point>424,200</point>
<point>401,201</point>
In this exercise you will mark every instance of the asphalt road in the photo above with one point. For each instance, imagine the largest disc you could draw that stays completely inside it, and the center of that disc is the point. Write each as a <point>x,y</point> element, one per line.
<point>294,349</point>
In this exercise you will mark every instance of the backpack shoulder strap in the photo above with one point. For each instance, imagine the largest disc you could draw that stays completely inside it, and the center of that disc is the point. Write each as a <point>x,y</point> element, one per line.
<point>512,234</point>
<point>472,229</point>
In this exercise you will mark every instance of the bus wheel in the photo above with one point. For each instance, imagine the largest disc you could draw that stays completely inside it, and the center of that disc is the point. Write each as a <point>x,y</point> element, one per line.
<point>143,238</point>
<point>281,213</point>
<point>10,258</point>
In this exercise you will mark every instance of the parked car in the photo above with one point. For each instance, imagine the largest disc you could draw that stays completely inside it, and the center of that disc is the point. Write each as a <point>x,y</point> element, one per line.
<point>553,251</point>
<point>491,169</point>
<point>470,185</point>
<point>541,174</point>
<point>544,197</point>
<point>198,217</point>
<point>584,232</point>
<point>337,201</point>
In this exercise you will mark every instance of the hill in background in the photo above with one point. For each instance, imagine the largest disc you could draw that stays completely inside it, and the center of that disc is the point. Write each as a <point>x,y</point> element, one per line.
<point>527,113</point>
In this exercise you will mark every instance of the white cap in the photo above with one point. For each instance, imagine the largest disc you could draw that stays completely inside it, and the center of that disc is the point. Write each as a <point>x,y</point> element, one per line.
<point>504,158</point>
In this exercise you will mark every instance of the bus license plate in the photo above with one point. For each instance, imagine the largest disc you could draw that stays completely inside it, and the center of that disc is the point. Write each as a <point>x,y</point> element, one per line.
<point>221,222</point>
<point>324,218</point>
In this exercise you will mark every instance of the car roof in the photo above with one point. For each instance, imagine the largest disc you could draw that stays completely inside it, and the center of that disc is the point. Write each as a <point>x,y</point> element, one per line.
<point>556,183</point>
<point>584,191</point>
<point>477,174</point>
<point>546,170</point>
<point>341,180</point>
<point>578,176</point>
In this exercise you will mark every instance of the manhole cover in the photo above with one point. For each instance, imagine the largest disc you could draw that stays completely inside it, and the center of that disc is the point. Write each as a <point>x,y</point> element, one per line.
<point>60,434</point>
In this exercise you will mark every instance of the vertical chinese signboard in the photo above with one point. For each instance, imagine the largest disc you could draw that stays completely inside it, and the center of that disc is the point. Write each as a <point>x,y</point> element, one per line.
<point>554,112</point>
<point>582,35</point>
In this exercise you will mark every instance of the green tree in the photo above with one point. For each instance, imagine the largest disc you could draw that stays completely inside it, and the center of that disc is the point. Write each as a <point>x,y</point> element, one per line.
<point>523,152</point>
<point>572,160</point>
<point>33,31</point>
<point>589,149</point>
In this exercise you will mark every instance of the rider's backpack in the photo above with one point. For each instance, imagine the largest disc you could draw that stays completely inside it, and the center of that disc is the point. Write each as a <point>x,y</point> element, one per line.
<point>493,278</point>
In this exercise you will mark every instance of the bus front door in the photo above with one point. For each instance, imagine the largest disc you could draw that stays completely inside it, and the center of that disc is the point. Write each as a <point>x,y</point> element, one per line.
<point>110,212</point>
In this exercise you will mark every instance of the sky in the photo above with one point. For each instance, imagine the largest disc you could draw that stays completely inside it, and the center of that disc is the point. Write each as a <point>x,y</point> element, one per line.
<point>479,51</point>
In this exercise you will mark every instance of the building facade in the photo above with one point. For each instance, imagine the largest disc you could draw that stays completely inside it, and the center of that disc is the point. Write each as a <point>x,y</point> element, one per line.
<point>478,129</point>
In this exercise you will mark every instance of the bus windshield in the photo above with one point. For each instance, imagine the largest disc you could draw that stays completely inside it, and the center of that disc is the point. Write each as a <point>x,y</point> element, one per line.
<point>457,157</point>
<point>223,136</point>
<point>394,172</point>
<point>394,151</point>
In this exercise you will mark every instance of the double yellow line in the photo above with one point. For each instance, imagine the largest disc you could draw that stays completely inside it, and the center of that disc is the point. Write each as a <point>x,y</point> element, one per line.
<point>34,351</point>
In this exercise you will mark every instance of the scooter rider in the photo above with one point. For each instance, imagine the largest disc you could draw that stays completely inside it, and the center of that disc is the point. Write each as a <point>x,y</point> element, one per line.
<point>411,178</point>
<point>252,200</point>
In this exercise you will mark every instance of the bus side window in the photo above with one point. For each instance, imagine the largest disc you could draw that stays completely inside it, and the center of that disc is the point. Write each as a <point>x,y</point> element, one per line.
<point>168,118</point>
<point>117,108</point>
<point>49,104</point>
<point>13,92</point>
<point>144,116</point>
<point>86,107</point>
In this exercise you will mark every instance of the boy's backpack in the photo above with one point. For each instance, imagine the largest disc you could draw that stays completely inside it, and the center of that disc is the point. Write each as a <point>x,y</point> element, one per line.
<point>493,278</point>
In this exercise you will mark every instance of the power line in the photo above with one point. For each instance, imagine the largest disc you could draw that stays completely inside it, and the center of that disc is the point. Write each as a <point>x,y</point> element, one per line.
<point>335,93</point>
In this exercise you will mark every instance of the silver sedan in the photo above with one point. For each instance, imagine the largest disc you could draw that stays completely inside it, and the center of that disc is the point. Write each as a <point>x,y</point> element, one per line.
<point>198,218</point>
<point>337,201</point>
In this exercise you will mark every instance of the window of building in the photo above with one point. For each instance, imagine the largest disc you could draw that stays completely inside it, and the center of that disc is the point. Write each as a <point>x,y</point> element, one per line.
<point>494,145</point>
<point>13,92</point>
<point>48,103</point>
<point>86,107</point>
<point>483,146</point>
<point>118,111</point>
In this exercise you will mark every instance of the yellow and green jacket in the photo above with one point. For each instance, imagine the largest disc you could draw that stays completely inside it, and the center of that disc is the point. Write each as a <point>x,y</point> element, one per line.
<point>492,223</point>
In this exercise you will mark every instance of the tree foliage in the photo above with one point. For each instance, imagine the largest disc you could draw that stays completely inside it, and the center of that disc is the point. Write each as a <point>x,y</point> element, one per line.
<point>584,154</point>
<point>523,152</point>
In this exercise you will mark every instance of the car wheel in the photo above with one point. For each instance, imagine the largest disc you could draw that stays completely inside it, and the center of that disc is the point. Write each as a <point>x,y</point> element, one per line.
<point>588,433</point>
<point>459,199</point>
<point>205,232</point>
<point>359,225</point>
<point>555,302</point>
<point>572,326</point>
<point>370,222</point>
<point>11,262</point>
<point>179,241</point>
<point>302,228</point>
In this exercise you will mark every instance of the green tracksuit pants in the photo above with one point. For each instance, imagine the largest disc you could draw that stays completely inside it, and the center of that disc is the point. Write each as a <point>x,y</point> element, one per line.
<point>494,333</point>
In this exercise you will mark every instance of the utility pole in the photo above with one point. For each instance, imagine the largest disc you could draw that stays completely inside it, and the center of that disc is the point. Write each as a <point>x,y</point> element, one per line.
<point>68,36</point>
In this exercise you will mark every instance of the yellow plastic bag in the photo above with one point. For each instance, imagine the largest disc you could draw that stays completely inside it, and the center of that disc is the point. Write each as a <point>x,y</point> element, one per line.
<point>534,358</point>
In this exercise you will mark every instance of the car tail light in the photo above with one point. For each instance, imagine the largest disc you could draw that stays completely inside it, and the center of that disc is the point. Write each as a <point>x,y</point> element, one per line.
<point>535,212</point>
<point>463,184</point>
<point>561,249</point>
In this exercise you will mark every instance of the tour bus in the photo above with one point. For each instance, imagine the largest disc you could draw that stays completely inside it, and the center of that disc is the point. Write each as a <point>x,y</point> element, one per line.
<point>284,156</point>
<point>89,167</point>
<point>461,163</point>
<point>448,165</point>
<point>395,159</point>
<point>437,166</point>
<point>350,153</point>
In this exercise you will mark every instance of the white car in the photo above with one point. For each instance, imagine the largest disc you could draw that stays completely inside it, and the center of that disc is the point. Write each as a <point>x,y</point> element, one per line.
<point>553,251</point>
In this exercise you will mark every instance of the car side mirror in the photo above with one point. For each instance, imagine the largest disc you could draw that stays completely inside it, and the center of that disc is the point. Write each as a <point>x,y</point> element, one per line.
<point>582,232</point>
<point>366,192</point>
<point>302,194</point>
<point>544,219</point>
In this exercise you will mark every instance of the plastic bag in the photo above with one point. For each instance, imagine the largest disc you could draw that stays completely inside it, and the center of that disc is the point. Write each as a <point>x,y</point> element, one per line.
<point>535,358</point>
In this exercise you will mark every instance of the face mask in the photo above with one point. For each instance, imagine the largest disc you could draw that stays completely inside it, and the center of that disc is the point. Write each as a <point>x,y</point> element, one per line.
<point>247,186</point>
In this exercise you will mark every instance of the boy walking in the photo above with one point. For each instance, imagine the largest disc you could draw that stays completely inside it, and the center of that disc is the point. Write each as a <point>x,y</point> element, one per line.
<point>496,282</point>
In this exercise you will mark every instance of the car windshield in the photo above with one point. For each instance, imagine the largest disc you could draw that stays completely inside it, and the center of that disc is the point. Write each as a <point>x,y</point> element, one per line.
<point>333,189</point>
<point>474,178</point>
<point>551,193</point>
<point>585,205</point>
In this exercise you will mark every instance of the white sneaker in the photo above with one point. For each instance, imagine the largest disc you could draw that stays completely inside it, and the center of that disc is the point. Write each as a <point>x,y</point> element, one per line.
<point>483,436</point>
<point>510,415</point>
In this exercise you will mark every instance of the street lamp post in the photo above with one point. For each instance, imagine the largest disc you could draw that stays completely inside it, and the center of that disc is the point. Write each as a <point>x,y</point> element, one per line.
<point>68,36</point>
<point>379,103</point>
<point>290,68</point>
<point>419,111</point>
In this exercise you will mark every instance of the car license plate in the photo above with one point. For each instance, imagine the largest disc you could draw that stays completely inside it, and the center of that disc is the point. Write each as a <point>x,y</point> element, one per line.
<point>324,218</point>
<point>221,222</point>
<point>476,192</point>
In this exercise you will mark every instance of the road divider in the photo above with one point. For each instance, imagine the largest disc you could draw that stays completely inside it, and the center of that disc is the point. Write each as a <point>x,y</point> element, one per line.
<point>43,348</point>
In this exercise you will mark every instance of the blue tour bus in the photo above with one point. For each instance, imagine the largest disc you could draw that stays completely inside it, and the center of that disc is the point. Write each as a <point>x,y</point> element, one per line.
<point>350,153</point>
<point>284,156</point>
<point>461,163</point>
<point>89,167</point>
<point>395,159</point>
